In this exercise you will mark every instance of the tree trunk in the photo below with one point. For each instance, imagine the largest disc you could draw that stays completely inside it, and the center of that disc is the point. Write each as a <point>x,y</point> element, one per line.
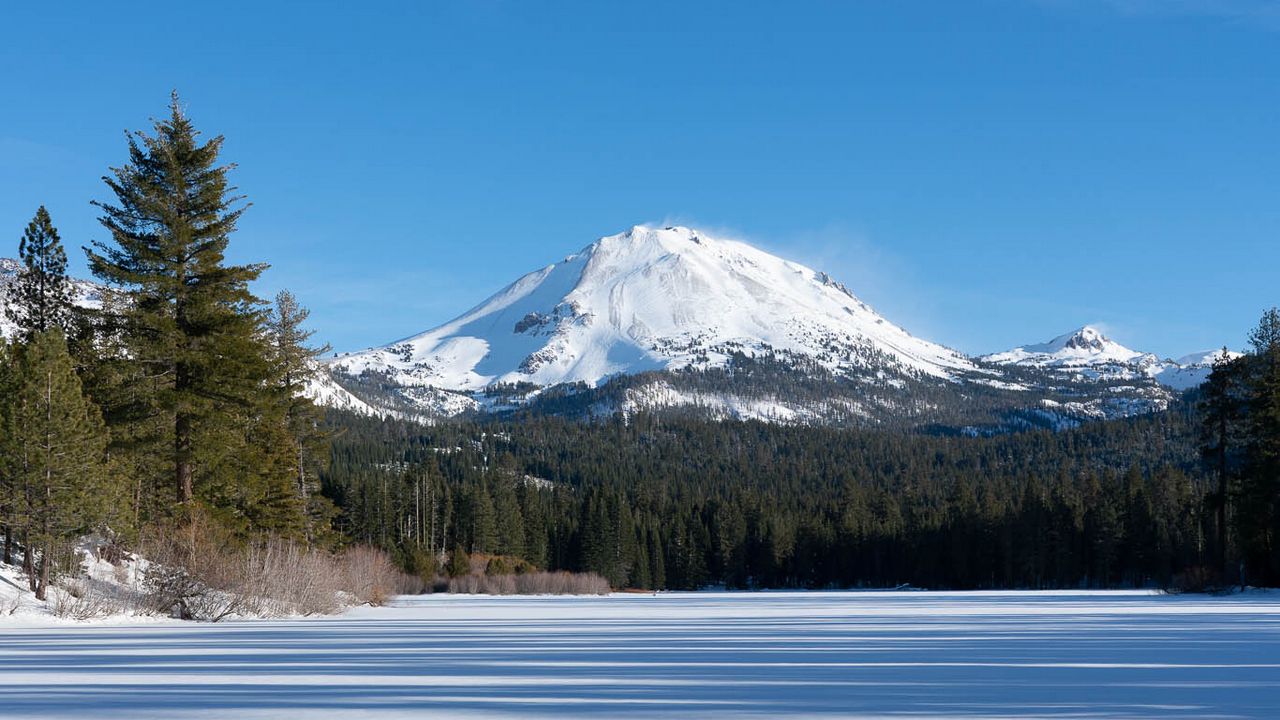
<point>182,458</point>
<point>1222,498</point>
<point>28,564</point>
<point>42,587</point>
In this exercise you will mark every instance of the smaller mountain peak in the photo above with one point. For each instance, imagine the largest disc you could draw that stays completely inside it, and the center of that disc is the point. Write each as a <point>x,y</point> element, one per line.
<point>1087,337</point>
<point>1087,345</point>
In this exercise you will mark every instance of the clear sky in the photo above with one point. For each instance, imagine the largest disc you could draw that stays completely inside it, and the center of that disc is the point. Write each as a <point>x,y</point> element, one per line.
<point>986,173</point>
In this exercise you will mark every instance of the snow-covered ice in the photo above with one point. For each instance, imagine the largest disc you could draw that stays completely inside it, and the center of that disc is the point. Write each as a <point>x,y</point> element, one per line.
<point>959,655</point>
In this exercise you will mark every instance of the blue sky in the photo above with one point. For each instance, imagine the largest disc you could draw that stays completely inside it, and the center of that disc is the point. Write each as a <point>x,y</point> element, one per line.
<point>985,173</point>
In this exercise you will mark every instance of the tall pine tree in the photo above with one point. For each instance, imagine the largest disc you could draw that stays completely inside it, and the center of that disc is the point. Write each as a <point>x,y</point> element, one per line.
<point>191,323</point>
<point>41,299</point>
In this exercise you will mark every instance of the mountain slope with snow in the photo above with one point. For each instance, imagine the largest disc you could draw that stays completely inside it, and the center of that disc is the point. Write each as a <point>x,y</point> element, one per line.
<point>652,299</point>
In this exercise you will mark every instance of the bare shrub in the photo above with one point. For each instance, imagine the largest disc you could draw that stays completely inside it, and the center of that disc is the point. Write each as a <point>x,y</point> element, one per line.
<point>1195,579</point>
<point>411,585</point>
<point>535,583</point>
<point>111,552</point>
<point>175,591</point>
<point>370,576</point>
<point>201,572</point>
<point>285,578</point>
<point>81,599</point>
<point>562,583</point>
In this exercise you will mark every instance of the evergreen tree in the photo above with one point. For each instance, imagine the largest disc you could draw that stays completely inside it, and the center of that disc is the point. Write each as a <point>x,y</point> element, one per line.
<point>459,562</point>
<point>509,520</point>
<point>294,367</point>
<point>482,520</point>
<point>191,324</point>
<point>41,299</point>
<point>9,457</point>
<point>535,525</point>
<point>1221,411</point>
<point>62,445</point>
<point>1259,511</point>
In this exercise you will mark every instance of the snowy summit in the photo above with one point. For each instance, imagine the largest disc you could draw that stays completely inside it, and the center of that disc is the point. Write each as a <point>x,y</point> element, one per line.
<point>1089,353</point>
<point>651,299</point>
<point>1083,347</point>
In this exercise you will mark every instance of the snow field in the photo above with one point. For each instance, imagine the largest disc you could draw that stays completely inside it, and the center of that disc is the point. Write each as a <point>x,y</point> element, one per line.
<point>857,654</point>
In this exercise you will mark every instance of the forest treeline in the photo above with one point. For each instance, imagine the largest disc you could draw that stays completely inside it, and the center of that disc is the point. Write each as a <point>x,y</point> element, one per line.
<point>1184,498</point>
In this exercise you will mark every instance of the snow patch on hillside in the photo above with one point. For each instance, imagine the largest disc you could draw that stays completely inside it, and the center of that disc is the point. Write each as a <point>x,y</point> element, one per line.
<point>728,406</point>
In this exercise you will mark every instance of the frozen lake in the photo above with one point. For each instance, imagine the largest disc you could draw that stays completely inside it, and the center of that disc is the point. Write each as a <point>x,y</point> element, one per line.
<point>1113,655</point>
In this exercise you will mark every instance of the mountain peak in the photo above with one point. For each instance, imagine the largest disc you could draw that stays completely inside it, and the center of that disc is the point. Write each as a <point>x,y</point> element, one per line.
<point>647,299</point>
<point>1085,346</point>
<point>1087,338</point>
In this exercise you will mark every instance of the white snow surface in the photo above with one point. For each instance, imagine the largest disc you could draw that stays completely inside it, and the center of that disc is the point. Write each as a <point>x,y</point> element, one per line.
<point>650,299</point>
<point>788,654</point>
<point>324,390</point>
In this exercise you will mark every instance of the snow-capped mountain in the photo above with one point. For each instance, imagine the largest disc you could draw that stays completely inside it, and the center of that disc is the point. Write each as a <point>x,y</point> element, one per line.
<point>652,299</point>
<point>681,320</point>
<point>1089,354</point>
<point>677,320</point>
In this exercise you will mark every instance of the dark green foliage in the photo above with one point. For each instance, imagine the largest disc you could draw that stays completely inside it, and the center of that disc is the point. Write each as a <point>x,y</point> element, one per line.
<point>459,562</point>
<point>294,366</point>
<point>60,485</point>
<point>10,462</point>
<point>41,299</point>
<point>201,385</point>
<point>1240,441</point>
<point>684,503</point>
<point>191,325</point>
<point>1257,505</point>
<point>480,520</point>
